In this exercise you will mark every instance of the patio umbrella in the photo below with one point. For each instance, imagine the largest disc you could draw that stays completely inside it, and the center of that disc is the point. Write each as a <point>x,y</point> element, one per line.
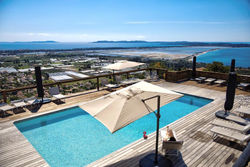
<point>230,91</point>
<point>123,64</point>
<point>231,86</point>
<point>39,82</point>
<point>194,67</point>
<point>124,106</point>
<point>232,68</point>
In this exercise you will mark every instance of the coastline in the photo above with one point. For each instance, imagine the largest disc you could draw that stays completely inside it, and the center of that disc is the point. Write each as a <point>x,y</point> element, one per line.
<point>201,53</point>
<point>160,55</point>
<point>155,55</point>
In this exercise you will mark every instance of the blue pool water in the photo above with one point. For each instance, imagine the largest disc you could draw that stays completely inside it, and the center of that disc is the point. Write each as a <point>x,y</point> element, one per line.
<point>72,137</point>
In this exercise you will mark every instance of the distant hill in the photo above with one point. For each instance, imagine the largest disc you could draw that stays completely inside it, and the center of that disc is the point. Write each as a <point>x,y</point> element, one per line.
<point>120,41</point>
<point>187,43</point>
<point>36,42</point>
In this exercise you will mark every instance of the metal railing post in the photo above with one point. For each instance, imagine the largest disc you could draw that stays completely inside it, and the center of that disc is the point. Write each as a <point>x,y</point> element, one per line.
<point>158,72</point>
<point>150,72</point>
<point>4,97</point>
<point>97,83</point>
<point>166,75</point>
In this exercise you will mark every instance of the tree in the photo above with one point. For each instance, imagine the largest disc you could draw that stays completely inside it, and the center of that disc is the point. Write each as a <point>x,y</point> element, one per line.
<point>157,65</point>
<point>217,67</point>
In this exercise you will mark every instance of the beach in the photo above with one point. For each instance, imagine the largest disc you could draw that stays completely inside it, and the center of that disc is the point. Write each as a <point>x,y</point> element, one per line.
<point>171,53</point>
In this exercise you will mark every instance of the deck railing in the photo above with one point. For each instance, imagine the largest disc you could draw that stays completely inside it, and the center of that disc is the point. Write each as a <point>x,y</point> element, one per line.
<point>5,91</point>
<point>171,76</point>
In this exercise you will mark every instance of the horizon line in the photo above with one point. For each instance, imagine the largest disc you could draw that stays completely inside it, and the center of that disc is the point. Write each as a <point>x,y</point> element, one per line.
<point>116,41</point>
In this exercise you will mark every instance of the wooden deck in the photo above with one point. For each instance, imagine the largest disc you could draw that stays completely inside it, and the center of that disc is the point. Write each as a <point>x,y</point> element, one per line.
<point>214,87</point>
<point>194,129</point>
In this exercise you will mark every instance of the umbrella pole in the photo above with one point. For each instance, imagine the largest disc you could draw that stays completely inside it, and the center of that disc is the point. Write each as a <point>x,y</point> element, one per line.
<point>157,129</point>
<point>152,160</point>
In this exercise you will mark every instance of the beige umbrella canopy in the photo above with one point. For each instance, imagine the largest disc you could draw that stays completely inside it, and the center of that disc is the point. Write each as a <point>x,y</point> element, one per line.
<point>123,64</point>
<point>124,106</point>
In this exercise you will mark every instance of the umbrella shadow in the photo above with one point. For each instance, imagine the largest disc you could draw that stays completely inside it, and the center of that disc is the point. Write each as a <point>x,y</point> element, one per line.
<point>6,114</point>
<point>200,136</point>
<point>229,143</point>
<point>177,161</point>
<point>18,111</point>
<point>58,102</point>
<point>35,108</point>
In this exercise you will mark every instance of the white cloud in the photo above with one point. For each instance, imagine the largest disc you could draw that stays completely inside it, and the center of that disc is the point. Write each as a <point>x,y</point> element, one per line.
<point>37,34</point>
<point>68,37</point>
<point>140,37</point>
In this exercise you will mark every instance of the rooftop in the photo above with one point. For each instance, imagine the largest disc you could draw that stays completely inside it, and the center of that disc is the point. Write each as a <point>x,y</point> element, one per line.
<point>76,74</point>
<point>8,69</point>
<point>199,149</point>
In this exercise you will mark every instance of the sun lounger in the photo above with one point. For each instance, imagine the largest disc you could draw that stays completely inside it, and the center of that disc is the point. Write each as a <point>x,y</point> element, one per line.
<point>31,100</point>
<point>230,134</point>
<point>18,103</point>
<point>238,119</point>
<point>4,107</point>
<point>220,81</point>
<point>244,86</point>
<point>112,86</point>
<point>243,110</point>
<point>210,80</point>
<point>200,79</point>
<point>231,125</point>
<point>43,101</point>
<point>231,117</point>
<point>54,92</point>
<point>130,81</point>
<point>170,147</point>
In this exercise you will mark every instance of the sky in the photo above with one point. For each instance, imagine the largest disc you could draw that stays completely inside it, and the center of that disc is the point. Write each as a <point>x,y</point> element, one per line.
<point>151,20</point>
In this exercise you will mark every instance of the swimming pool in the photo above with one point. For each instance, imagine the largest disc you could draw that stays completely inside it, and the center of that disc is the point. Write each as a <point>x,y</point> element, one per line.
<point>72,137</point>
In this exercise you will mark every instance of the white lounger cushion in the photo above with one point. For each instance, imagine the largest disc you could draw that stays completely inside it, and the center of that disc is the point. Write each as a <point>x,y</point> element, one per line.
<point>59,96</point>
<point>112,85</point>
<point>231,133</point>
<point>219,81</point>
<point>231,125</point>
<point>210,80</point>
<point>6,108</point>
<point>243,110</point>
<point>19,104</point>
<point>30,100</point>
<point>244,84</point>
<point>238,119</point>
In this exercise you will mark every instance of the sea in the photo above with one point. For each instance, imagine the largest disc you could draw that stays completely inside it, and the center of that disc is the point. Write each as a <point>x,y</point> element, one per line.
<point>74,45</point>
<point>225,55</point>
<point>222,54</point>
